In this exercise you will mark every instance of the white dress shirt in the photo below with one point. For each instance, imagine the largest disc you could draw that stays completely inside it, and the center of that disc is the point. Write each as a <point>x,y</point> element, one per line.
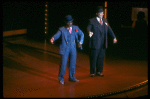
<point>69,27</point>
<point>98,19</point>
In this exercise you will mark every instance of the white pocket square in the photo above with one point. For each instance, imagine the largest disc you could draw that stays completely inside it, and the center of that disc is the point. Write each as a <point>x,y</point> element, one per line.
<point>106,23</point>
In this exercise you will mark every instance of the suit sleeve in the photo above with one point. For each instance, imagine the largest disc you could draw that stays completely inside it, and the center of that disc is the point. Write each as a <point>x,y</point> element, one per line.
<point>110,31</point>
<point>81,35</point>
<point>89,27</point>
<point>57,35</point>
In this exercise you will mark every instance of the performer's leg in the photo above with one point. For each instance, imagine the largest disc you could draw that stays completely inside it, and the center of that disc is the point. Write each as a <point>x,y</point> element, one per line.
<point>93,59</point>
<point>100,60</point>
<point>63,65</point>
<point>72,63</point>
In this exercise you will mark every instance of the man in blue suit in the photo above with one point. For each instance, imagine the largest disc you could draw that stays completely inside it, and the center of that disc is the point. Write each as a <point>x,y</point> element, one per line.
<point>98,28</point>
<point>71,36</point>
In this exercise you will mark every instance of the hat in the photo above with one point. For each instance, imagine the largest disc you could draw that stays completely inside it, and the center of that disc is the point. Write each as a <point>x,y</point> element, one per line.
<point>68,18</point>
<point>99,9</point>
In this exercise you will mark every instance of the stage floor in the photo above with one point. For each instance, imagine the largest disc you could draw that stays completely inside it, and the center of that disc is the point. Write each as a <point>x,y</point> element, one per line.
<point>30,70</point>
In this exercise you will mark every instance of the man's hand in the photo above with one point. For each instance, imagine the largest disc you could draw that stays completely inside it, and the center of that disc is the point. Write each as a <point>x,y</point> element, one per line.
<point>90,34</point>
<point>79,45</point>
<point>115,40</point>
<point>52,40</point>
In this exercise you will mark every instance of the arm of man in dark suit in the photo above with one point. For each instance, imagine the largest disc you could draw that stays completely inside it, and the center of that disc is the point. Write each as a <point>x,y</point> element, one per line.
<point>89,28</point>
<point>110,31</point>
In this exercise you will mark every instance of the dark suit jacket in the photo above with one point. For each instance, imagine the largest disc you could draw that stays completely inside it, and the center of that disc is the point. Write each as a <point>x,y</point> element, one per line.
<point>94,26</point>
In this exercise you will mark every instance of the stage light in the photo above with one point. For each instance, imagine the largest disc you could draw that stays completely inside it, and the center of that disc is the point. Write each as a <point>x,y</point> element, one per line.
<point>105,11</point>
<point>45,32</point>
<point>46,10</point>
<point>105,3</point>
<point>105,15</point>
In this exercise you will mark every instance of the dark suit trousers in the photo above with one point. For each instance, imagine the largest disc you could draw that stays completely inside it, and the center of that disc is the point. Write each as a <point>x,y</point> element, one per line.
<point>96,60</point>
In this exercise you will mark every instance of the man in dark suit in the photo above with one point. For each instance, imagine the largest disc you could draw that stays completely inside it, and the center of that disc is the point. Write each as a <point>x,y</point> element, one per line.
<point>98,28</point>
<point>70,35</point>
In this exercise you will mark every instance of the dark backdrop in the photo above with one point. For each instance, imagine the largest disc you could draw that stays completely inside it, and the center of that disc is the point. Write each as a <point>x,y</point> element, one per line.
<point>31,16</point>
<point>28,15</point>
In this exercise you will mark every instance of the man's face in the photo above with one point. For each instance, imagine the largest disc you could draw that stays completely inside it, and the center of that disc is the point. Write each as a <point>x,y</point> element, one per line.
<point>100,14</point>
<point>69,24</point>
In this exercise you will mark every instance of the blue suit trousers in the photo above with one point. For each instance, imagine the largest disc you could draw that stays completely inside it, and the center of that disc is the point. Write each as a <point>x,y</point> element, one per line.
<point>71,53</point>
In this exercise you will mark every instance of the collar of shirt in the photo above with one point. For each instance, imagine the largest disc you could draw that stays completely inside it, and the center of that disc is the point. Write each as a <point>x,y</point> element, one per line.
<point>98,19</point>
<point>69,27</point>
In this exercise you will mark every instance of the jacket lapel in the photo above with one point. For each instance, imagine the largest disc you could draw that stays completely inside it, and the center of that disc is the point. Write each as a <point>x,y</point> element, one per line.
<point>74,33</point>
<point>105,24</point>
<point>97,23</point>
<point>73,28</point>
<point>64,31</point>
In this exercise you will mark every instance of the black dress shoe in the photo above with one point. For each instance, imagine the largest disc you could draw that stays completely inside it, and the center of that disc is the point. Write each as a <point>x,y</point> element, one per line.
<point>100,74</point>
<point>75,80</point>
<point>61,82</point>
<point>92,75</point>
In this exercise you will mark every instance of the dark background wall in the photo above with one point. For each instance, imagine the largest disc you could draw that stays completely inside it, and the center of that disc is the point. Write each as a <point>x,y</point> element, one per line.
<point>30,15</point>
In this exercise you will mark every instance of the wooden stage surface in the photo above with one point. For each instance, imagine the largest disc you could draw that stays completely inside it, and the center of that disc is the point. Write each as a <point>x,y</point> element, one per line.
<point>30,70</point>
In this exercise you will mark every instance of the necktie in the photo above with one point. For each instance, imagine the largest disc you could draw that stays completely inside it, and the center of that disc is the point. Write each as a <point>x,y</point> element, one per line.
<point>101,22</point>
<point>70,30</point>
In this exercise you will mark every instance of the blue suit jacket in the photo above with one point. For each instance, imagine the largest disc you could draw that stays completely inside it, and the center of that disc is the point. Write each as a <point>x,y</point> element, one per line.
<point>62,32</point>
<point>94,26</point>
